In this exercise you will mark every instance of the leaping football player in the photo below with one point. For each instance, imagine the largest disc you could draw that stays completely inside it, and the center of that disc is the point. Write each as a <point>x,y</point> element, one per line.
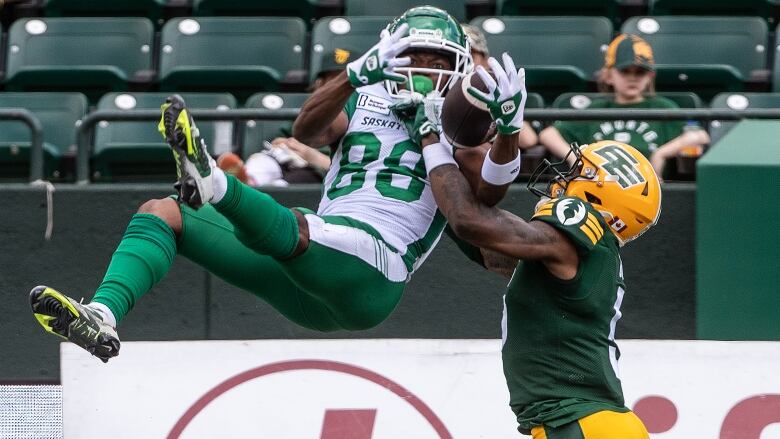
<point>344,266</point>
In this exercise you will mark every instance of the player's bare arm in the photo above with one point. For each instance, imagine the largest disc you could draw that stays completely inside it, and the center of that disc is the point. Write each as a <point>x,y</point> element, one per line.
<point>497,230</point>
<point>498,263</point>
<point>489,227</point>
<point>321,120</point>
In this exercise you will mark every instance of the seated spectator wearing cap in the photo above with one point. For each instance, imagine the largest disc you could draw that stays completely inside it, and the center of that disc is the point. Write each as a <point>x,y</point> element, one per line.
<point>286,160</point>
<point>629,73</point>
<point>480,55</point>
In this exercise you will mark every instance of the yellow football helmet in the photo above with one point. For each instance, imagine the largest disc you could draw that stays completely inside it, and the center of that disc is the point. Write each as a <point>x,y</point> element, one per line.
<point>613,177</point>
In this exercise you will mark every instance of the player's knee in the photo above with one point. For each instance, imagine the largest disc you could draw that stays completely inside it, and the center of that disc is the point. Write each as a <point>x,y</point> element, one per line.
<point>166,209</point>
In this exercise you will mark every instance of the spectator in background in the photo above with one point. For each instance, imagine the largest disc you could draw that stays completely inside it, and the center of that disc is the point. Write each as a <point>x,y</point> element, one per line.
<point>286,160</point>
<point>629,73</point>
<point>480,55</point>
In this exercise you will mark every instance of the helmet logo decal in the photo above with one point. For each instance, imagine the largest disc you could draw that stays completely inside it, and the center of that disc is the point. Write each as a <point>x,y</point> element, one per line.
<point>620,165</point>
<point>570,212</point>
<point>429,33</point>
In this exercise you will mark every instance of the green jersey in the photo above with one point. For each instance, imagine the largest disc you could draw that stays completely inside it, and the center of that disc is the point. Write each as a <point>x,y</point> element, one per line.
<point>644,135</point>
<point>559,351</point>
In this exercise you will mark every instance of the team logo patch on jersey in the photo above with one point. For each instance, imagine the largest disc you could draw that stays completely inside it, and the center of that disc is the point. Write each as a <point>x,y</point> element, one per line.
<point>620,165</point>
<point>373,104</point>
<point>570,212</point>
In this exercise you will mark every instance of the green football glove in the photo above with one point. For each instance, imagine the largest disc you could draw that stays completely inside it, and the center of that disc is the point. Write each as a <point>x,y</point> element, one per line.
<point>505,99</point>
<point>405,107</point>
<point>377,64</point>
<point>420,126</point>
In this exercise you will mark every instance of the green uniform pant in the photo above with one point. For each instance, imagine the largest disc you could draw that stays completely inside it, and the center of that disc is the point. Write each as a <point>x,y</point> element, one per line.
<point>322,289</point>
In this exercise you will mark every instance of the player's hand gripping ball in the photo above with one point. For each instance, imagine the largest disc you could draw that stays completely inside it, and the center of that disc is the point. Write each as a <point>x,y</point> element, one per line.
<point>500,95</point>
<point>466,121</point>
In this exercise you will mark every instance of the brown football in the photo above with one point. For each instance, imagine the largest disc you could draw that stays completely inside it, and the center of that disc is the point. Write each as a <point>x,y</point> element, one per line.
<point>466,121</point>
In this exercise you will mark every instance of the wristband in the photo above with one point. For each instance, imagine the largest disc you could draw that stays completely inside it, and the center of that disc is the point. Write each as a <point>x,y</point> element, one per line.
<point>436,155</point>
<point>499,175</point>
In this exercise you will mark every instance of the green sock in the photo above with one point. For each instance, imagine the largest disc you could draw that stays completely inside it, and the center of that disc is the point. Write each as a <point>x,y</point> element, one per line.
<point>260,222</point>
<point>142,259</point>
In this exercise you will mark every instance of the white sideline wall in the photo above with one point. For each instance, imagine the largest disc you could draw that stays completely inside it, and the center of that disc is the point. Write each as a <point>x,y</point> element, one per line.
<point>389,389</point>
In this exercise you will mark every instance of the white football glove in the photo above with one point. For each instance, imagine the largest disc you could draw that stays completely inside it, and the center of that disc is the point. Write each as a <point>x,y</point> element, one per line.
<point>505,99</point>
<point>377,64</point>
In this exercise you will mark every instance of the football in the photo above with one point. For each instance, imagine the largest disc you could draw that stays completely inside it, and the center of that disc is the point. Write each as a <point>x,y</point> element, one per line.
<point>466,121</point>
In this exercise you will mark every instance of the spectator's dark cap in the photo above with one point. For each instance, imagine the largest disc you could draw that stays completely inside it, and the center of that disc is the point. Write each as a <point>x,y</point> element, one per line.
<point>337,59</point>
<point>629,50</point>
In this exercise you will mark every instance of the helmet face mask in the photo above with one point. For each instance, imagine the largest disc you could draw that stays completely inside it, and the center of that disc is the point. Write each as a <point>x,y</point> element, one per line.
<point>432,30</point>
<point>614,178</point>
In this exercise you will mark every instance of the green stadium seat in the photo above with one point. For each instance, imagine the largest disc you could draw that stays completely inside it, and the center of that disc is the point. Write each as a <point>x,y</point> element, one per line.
<point>705,55</point>
<point>759,8</point>
<point>582,100</point>
<point>738,101</point>
<point>125,150</point>
<point>606,8</point>
<point>304,9</point>
<point>257,131</point>
<point>560,54</point>
<point>776,68</point>
<point>238,55</point>
<point>58,114</point>
<point>348,33</point>
<point>152,9</point>
<point>353,8</point>
<point>93,55</point>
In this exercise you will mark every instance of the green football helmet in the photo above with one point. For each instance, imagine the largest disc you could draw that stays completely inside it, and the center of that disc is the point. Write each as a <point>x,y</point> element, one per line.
<point>433,30</point>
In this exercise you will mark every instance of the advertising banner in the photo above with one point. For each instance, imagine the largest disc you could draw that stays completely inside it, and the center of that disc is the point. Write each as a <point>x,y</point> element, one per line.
<point>383,389</point>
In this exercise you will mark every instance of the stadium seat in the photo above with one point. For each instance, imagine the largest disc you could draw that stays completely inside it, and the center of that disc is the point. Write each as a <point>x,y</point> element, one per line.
<point>705,55</point>
<point>304,9</point>
<point>58,114</point>
<point>759,8</point>
<point>348,33</point>
<point>135,150</point>
<point>93,55</point>
<point>238,55</point>
<point>606,8</point>
<point>559,54</point>
<point>353,8</point>
<point>582,100</point>
<point>152,9</point>
<point>738,101</point>
<point>776,67</point>
<point>257,131</point>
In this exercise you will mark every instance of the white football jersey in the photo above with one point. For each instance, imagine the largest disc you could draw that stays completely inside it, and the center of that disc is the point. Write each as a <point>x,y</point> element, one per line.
<point>377,176</point>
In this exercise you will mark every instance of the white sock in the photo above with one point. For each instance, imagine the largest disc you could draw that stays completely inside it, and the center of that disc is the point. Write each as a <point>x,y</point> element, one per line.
<point>105,312</point>
<point>220,184</point>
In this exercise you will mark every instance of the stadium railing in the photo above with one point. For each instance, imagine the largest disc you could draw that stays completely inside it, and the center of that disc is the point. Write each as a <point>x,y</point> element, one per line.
<point>85,127</point>
<point>36,137</point>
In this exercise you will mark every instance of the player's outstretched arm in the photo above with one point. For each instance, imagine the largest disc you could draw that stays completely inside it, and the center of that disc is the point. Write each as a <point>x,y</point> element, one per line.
<point>505,99</point>
<point>321,121</point>
<point>492,228</point>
